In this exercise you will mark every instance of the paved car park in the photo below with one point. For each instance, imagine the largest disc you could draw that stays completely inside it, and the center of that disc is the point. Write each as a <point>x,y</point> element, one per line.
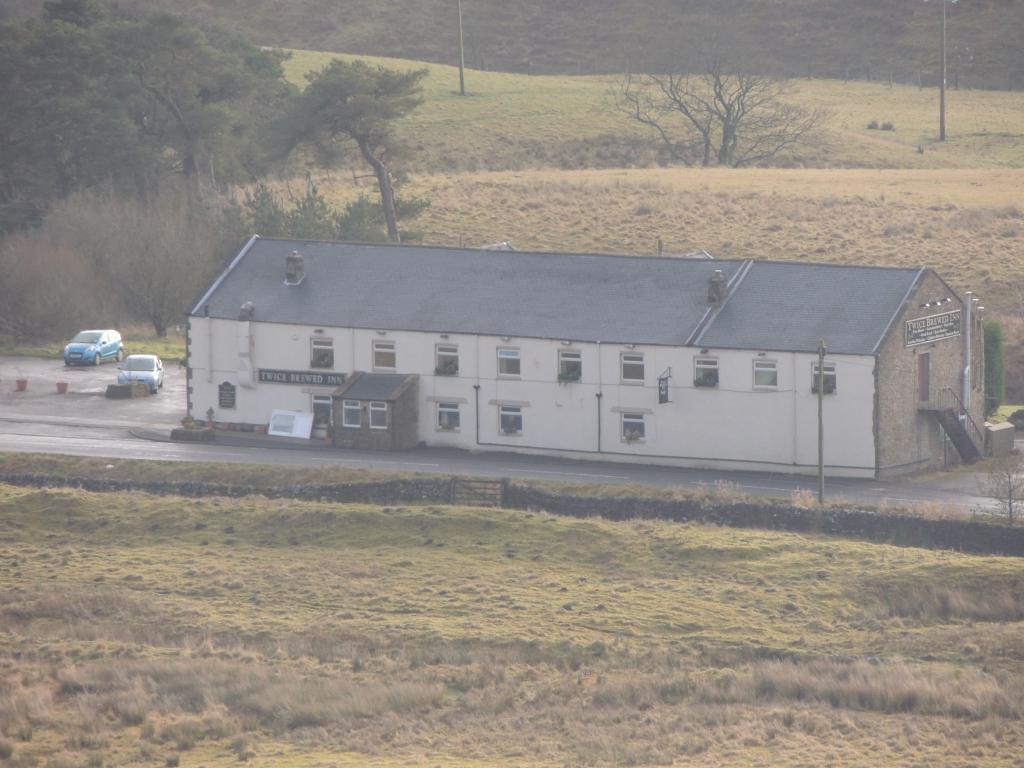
<point>85,392</point>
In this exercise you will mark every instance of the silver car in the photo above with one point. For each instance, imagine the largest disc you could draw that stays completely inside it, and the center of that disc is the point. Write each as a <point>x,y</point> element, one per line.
<point>149,369</point>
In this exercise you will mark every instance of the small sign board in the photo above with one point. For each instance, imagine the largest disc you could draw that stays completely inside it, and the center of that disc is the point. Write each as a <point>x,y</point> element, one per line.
<point>306,378</point>
<point>662,390</point>
<point>932,328</point>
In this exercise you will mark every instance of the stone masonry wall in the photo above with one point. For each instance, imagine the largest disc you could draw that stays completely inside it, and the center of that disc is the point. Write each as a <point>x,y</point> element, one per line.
<point>908,439</point>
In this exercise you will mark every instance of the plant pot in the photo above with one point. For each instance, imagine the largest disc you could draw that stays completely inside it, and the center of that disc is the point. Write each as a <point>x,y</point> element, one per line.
<point>62,387</point>
<point>21,384</point>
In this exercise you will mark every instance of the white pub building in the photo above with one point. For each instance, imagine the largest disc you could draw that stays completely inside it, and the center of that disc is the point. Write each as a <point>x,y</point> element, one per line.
<point>676,361</point>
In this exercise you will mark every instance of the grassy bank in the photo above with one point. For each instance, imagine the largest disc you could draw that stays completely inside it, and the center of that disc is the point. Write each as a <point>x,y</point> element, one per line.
<point>143,629</point>
<point>169,348</point>
<point>964,224</point>
<point>508,121</point>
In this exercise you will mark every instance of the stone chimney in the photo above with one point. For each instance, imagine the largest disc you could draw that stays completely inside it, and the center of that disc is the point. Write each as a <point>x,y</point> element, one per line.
<point>294,268</point>
<point>717,287</point>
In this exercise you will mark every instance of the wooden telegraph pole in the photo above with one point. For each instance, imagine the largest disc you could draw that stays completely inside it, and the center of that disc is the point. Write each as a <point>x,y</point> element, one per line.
<point>942,78</point>
<point>462,57</point>
<point>821,422</point>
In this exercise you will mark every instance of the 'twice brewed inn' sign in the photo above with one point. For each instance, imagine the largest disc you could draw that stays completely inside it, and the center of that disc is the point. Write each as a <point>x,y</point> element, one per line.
<point>932,328</point>
<point>309,378</point>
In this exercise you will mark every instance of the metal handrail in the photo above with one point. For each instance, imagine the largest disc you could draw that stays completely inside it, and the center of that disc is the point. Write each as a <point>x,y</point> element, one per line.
<point>949,395</point>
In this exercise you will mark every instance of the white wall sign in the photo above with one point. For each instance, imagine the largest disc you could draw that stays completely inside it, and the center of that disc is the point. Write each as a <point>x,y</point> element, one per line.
<point>290,424</point>
<point>932,328</point>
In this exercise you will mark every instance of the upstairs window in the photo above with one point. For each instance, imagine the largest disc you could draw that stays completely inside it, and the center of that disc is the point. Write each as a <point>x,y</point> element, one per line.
<point>447,362</point>
<point>378,415</point>
<point>705,372</point>
<point>766,374</point>
<point>632,367</point>
<point>508,361</point>
<point>570,365</point>
<point>384,356</point>
<point>510,419</point>
<point>829,379</point>
<point>321,353</point>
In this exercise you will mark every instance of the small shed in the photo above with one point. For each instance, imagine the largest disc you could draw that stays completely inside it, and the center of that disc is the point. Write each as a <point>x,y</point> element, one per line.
<point>377,411</point>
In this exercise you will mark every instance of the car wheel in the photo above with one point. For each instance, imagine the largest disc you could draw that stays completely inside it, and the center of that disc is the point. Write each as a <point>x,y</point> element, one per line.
<point>98,359</point>
<point>120,354</point>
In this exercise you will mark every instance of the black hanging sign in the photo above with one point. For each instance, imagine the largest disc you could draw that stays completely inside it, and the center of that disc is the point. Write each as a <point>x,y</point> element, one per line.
<point>662,390</point>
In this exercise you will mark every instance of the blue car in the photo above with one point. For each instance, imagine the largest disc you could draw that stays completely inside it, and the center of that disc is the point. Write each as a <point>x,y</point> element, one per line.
<point>93,347</point>
<point>149,369</point>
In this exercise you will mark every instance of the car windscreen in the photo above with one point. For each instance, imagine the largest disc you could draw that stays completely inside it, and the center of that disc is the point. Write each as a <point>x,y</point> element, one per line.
<point>144,364</point>
<point>87,337</point>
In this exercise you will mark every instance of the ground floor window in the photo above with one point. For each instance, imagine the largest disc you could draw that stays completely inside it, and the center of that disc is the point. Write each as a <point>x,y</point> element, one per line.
<point>633,429</point>
<point>828,379</point>
<point>510,419</point>
<point>226,395</point>
<point>321,411</point>
<point>448,416</point>
<point>351,414</point>
<point>378,415</point>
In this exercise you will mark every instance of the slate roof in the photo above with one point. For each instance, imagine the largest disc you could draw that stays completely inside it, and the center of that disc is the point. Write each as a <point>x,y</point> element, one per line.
<point>375,386</point>
<point>784,306</point>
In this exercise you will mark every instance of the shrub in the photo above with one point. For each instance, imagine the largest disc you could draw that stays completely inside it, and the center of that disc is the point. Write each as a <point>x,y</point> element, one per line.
<point>1017,418</point>
<point>994,385</point>
<point>873,125</point>
<point>6,749</point>
<point>887,126</point>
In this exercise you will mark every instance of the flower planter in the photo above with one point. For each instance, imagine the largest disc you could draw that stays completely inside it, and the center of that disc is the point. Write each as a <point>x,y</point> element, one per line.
<point>21,384</point>
<point>62,387</point>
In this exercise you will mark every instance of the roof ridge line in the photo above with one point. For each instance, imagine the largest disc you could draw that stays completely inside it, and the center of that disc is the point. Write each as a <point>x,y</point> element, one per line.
<point>220,279</point>
<point>713,312</point>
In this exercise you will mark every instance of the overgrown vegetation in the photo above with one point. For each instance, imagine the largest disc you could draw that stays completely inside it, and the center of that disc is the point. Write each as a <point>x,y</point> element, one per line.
<point>142,629</point>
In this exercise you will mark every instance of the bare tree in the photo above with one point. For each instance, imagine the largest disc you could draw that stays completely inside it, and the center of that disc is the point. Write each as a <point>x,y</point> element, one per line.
<point>153,255</point>
<point>718,116</point>
<point>1003,481</point>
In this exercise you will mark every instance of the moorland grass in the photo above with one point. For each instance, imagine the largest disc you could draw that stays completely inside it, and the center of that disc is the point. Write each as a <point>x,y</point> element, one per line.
<point>143,629</point>
<point>513,121</point>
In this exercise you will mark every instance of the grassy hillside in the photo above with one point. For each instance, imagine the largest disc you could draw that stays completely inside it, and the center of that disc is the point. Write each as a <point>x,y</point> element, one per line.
<point>829,37</point>
<point>964,223</point>
<point>518,121</point>
<point>143,630</point>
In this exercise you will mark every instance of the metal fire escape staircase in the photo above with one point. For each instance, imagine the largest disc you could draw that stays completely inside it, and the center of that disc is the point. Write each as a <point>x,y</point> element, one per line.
<point>957,423</point>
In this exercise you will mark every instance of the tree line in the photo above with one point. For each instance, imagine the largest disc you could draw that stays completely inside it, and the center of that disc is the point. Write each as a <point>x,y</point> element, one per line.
<point>123,138</point>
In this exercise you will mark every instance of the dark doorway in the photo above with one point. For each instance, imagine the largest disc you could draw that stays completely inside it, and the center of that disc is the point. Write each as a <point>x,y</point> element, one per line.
<point>924,370</point>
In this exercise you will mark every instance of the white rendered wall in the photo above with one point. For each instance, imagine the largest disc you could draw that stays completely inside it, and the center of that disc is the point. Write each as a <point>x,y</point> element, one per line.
<point>730,426</point>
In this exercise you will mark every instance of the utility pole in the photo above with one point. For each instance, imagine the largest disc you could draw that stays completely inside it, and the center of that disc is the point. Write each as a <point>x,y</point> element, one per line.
<point>942,78</point>
<point>821,422</point>
<point>462,57</point>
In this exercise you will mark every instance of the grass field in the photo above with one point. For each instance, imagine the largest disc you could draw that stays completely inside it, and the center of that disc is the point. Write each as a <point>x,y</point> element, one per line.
<point>169,348</point>
<point>866,196</point>
<point>510,121</point>
<point>145,630</point>
<point>959,222</point>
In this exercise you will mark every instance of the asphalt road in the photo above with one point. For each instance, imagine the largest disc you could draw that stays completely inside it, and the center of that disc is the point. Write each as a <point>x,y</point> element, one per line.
<point>85,423</point>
